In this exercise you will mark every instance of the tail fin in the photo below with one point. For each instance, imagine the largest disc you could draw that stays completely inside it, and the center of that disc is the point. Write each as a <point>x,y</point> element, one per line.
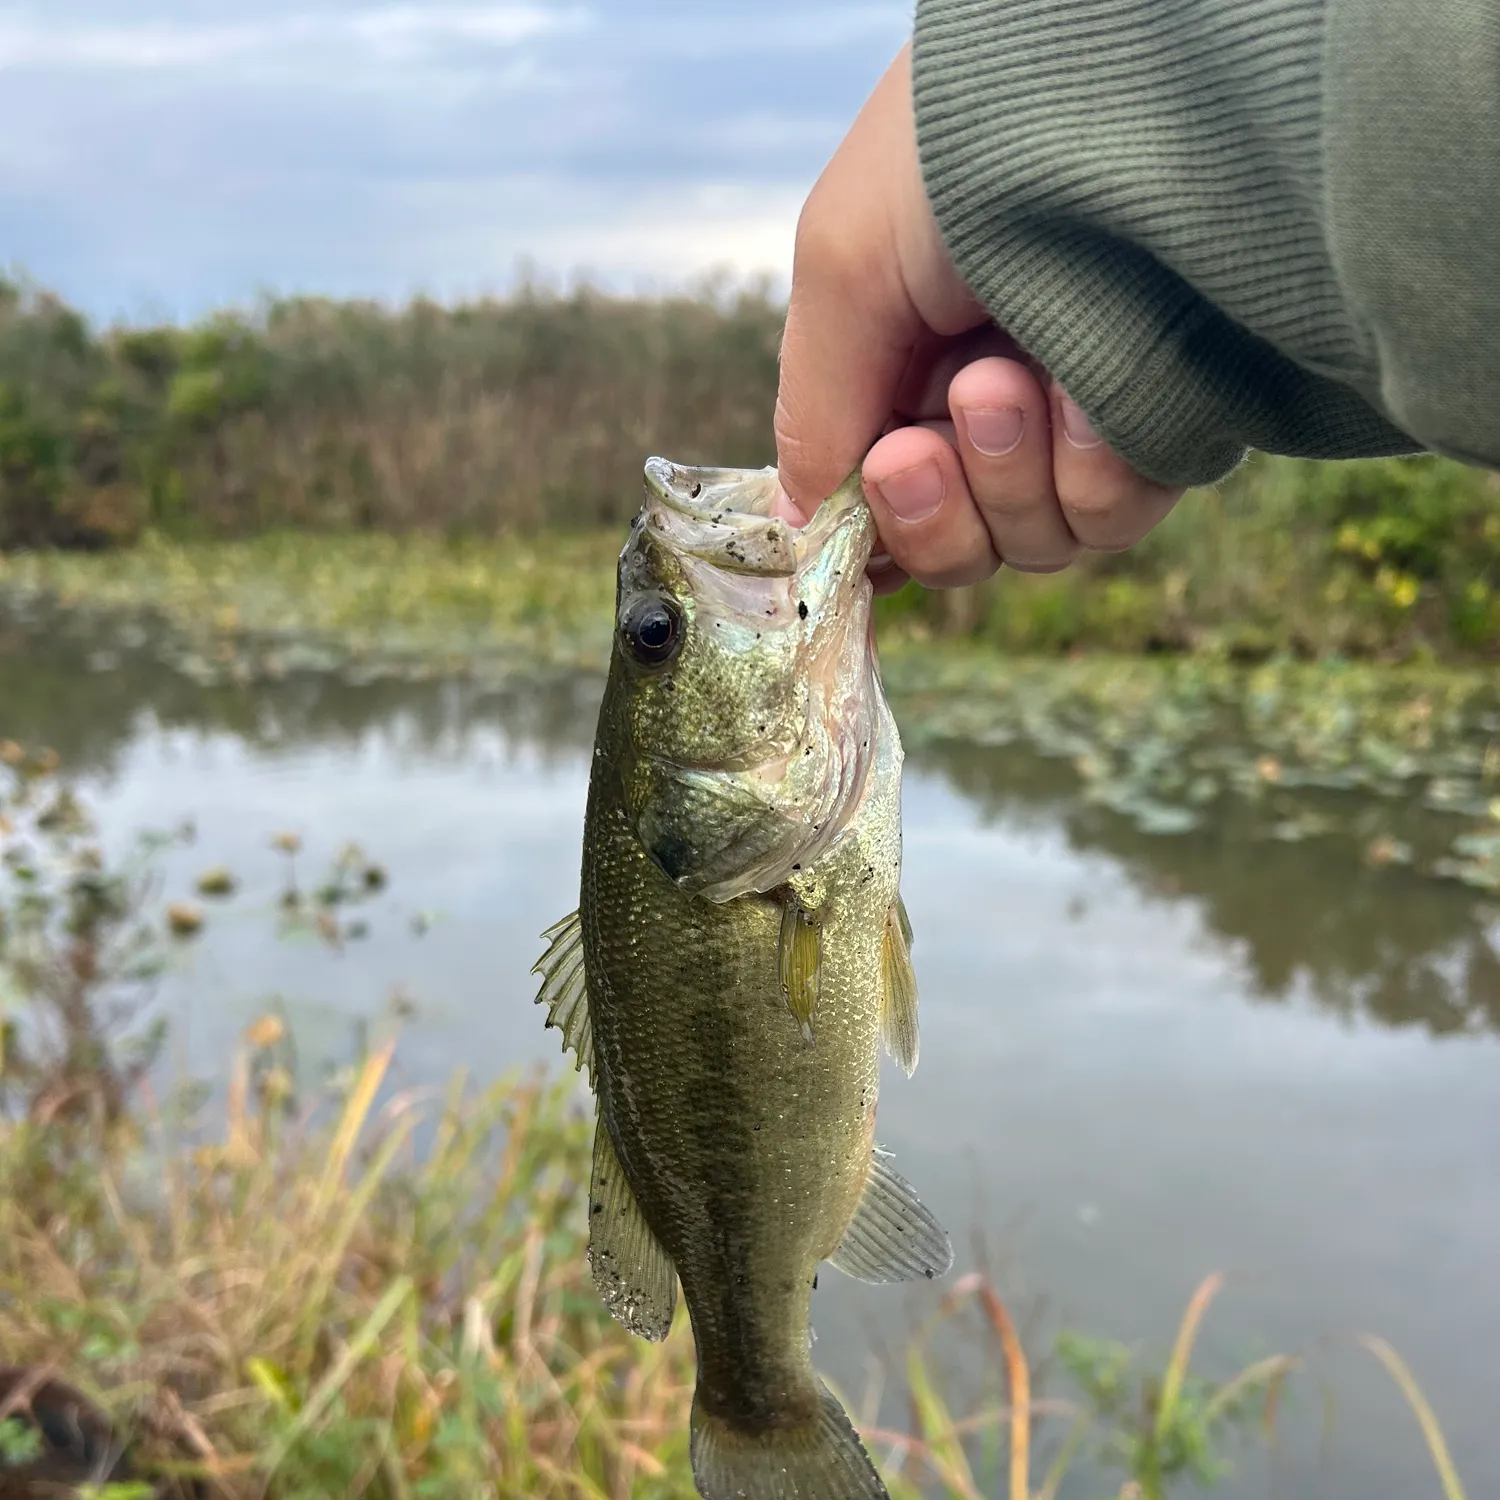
<point>821,1460</point>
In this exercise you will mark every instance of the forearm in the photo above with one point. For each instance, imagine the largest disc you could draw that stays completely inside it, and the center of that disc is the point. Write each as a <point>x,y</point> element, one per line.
<point>1230,223</point>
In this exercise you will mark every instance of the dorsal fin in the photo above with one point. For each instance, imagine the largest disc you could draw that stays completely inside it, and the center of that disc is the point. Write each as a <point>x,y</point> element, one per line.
<point>892,1236</point>
<point>564,991</point>
<point>898,1000</point>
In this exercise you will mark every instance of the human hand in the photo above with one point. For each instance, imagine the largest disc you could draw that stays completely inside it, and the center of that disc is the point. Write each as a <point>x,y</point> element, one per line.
<point>978,457</point>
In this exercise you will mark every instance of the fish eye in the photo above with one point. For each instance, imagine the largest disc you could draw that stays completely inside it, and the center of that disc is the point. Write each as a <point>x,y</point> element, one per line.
<point>652,630</point>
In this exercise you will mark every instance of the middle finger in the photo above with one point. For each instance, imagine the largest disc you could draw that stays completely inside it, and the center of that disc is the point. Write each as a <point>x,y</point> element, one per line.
<point>1004,438</point>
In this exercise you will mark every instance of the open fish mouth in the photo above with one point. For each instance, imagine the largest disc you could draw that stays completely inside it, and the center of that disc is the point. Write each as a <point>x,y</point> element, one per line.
<point>726,517</point>
<point>755,750</point>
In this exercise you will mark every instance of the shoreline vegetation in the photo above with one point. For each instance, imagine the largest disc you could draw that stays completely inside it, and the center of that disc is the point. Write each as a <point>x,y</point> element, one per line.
<point>501,419</point>
<point>303,1289</point>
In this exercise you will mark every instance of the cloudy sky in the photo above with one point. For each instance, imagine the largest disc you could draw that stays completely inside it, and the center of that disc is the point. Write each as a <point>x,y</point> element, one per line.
<point>161,156</point>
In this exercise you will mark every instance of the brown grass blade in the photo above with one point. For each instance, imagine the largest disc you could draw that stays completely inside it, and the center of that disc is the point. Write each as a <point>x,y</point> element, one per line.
<point>356,1111</point>
<point>1426,1418</point>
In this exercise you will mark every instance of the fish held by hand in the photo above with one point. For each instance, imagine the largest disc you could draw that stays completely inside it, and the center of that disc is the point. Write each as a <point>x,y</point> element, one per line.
<point>739,954</point>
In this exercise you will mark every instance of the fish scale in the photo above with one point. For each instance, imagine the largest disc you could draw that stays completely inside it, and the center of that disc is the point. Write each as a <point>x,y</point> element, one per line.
<point>744,954</point>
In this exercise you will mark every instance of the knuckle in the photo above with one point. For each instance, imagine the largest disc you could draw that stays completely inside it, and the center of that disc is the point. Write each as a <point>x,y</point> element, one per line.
<point>797,449</point>
<point>1099,515</point>
<point>1113,514</point>
<point>1007,504</point>
<point>958,575</point>
<point>949,568</point>
<point>1051,562</point>
<point>835,250</point>
<point>1098,499</point>
<point>822,249</point>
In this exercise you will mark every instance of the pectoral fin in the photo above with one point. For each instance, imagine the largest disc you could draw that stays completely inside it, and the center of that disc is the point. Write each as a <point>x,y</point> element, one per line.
<point>898,1004</point>
<point>801,963</point>
<point>633,1274</point>
<point>564,991</point>
<point>892,1237</point>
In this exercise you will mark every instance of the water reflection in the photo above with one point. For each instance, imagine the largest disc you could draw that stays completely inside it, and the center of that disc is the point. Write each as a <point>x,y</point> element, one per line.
<point>1385,946</point>
<point>53,692</point>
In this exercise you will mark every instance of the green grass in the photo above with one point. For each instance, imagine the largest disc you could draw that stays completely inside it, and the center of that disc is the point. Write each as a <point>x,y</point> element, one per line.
<point>550,597</point>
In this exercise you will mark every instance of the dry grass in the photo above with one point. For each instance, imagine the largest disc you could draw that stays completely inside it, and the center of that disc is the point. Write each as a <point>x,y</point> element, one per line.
<point>294,1310</point>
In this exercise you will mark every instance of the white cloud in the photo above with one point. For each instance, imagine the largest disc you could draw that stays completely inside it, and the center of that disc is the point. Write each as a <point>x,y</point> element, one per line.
<point>744,229</point>
<point>817,28</point>
<point>175,154</point>
<point>388,31</point>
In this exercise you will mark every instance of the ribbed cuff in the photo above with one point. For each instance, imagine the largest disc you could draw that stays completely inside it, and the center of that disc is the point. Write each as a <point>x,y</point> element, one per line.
<point>1133,189</point>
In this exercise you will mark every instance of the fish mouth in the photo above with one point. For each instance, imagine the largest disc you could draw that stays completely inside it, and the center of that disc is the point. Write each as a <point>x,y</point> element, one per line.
<point>726,517</point>
<point>763,804</point>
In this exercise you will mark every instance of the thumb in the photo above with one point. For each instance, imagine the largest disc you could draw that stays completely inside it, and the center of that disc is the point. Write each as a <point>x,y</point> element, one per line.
<point>843,358</point>
<point>851,327</point>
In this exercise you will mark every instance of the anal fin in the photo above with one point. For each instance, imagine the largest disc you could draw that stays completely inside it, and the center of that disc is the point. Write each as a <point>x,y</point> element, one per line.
<point>632,1273</point>
<point>892,1236</point>
<point>564,990</point>
<point>898,1000</point>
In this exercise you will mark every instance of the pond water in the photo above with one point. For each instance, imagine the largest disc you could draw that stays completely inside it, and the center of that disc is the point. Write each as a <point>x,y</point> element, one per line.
<point>1143,1059</point>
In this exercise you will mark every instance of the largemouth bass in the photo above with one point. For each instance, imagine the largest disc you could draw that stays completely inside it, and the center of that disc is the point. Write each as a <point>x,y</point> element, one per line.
<point>739,954</point>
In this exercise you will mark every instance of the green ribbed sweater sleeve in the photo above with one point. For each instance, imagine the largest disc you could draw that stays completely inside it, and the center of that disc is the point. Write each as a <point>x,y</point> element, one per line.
<point>1231,224</point>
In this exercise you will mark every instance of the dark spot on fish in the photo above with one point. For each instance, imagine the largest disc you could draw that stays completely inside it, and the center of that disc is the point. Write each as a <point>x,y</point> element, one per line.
<point>696,490</point>
<point>673,856</point>
<point>669,685</point>
<point>796,867</point>
<point>808,751</point>
<point>815,1281</point>
<point>598,1208</point>
<point>927,1272</point>
<point>802,609</point>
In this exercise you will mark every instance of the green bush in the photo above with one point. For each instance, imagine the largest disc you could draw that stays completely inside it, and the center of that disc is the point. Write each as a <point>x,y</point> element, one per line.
<point>534,410</point>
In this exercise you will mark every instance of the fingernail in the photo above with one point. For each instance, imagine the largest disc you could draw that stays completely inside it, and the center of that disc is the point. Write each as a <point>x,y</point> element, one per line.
<point>995,431</point>
<point>1079,430</point>
<point>915,493</point>
<point>784,506</point>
